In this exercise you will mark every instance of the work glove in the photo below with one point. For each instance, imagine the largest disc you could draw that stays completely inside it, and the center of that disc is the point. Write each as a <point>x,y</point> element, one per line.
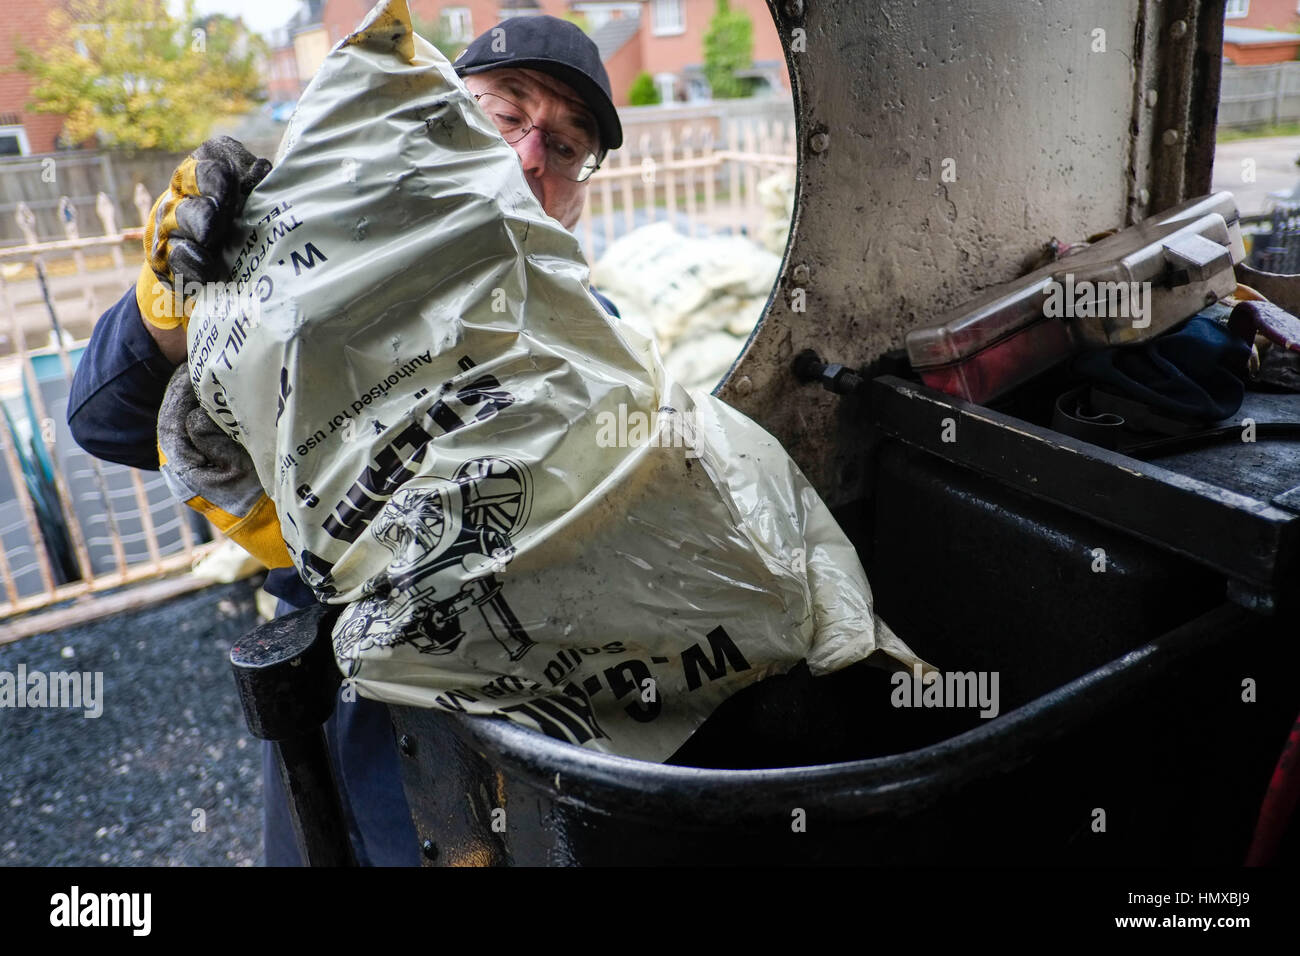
<point>209,471</point>
<point>188,226</point>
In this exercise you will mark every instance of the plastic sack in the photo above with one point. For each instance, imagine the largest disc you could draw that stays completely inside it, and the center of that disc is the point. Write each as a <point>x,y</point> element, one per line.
<point>522,513</point>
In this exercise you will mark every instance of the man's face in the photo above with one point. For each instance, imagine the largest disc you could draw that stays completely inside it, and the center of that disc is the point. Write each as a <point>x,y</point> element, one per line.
<point>552,105</point>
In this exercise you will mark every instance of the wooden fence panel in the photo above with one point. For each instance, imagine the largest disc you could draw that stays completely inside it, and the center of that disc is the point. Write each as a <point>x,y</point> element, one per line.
<point>1259,95</point>
<point>42,181</point>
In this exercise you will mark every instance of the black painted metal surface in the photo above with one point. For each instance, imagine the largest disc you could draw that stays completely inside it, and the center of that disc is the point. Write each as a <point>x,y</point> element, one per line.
<point>1131,738</point>
<point>287,683</point>
<point>1095,716</point>
<point>1242,536</point>
<point>1278,250</point>
<point>286,674</point>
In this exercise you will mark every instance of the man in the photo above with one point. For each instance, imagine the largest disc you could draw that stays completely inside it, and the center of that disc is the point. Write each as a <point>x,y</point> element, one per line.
<point>540,80</point>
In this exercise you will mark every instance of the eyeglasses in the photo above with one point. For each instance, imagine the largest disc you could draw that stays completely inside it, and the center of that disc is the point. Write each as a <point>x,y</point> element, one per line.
<point>569,157</point>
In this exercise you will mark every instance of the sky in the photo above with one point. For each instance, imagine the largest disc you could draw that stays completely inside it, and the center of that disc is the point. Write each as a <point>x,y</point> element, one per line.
<point>260,15</point>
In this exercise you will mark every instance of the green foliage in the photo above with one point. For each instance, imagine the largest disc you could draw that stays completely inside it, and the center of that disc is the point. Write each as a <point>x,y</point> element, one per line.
<point>643,91</point>
<point>437,32</point>
<point>578,20</point>
<point>728,47</point>
<point>131,75</point>
<point>1266,130</point>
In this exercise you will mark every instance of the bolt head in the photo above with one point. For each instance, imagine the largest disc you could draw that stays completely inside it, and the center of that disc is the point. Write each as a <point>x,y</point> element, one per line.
<point>429,849</point>
<point>800,274</point>
<point>793,8</point>
<point>1169,137</point>
<point>820,142</point>
<point>744,385</point>
<point>1178,29</point>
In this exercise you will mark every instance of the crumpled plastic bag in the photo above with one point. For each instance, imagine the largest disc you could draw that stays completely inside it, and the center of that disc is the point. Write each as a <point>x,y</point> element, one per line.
<point>689,290</point>
<point>683,284</point>
<point>522,513</point>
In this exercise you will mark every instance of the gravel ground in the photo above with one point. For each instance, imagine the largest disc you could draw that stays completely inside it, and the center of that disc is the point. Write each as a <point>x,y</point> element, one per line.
<point>123,788</point>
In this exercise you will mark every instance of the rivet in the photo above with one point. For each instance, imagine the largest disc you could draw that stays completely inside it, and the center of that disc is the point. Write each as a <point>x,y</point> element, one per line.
<point>744,385</point>
<point>406,745</point>
<point>1144,197</point>
<point>800,274</point>
<point>1152,96</point>
<point>794,8</point>
<point>1169,137</point>
<point>429,849</point>
<point>1178,29</point>
<point>820,142</point>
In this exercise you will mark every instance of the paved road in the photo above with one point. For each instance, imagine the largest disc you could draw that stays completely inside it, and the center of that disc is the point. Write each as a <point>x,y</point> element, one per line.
<point>122,788</point>
<point>1272,163</point>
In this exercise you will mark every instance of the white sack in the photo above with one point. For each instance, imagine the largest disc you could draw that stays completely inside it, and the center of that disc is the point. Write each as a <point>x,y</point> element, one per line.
<point>453,432</point>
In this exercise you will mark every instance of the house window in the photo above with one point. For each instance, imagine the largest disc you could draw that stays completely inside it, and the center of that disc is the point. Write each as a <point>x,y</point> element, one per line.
<point>598,14</point>
<point>13,141</point>
<point>667,17</point>
<point>456,21</point>
<point>597,17</point>
<point>1236,8</point>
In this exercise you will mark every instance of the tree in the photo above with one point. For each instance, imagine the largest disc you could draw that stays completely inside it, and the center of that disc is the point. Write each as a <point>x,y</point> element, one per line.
<point>728,47</point>
<point>579,20</point>
<point>643,91</point>
<point>438,32</point>
<point>131,75</point>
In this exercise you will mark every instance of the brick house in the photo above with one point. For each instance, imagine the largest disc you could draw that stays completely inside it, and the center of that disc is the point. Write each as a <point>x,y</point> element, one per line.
<point>1261,31</point>
<point>1262,14</point>
<point>21,132</point>
<point>662,37</point>
<point>282,82</point>
<point>462,19</point>
<point>667,42</point>
<point>319,24</point>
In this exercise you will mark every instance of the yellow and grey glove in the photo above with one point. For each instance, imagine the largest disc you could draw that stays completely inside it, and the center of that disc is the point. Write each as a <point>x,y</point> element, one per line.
<point>188,226</point>
<point>209,471</point>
